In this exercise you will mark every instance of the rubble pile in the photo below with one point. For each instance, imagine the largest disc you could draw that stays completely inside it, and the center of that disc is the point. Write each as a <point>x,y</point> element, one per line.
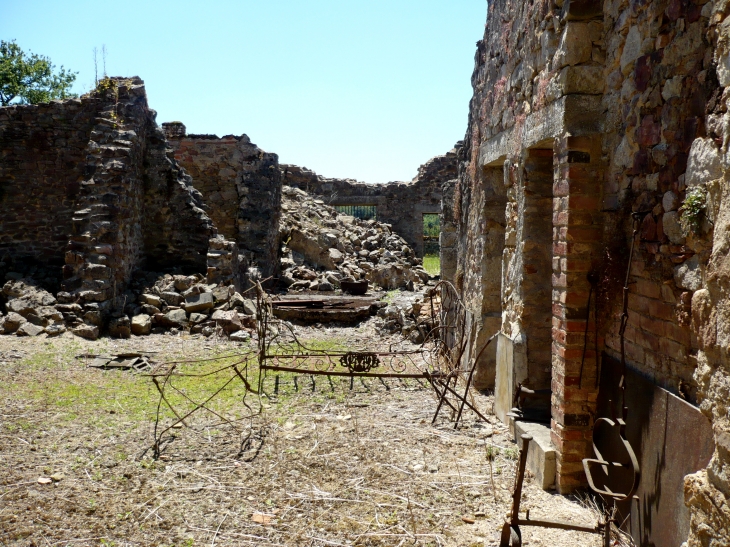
<point>154,303</point>
<point>30,310</point>
<point>187,303</point>
<point>411,316</point>
<point>322,247</point>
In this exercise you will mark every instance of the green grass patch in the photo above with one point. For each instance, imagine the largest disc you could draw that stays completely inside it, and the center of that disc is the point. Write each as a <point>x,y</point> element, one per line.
<point>432,264</point>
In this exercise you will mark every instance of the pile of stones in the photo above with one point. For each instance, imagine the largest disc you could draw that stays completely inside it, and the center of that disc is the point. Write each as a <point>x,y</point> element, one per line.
<point>154,303</point>
<point>185,303</point>
<point>322,247</point>
<point>30,310</point>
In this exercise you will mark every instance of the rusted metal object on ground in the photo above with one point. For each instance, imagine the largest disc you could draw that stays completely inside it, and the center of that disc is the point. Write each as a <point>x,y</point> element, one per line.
<point>511,534</point>
<point>531,405</point>
<point>354,287</point>
<point>438,360</point>
<point>324,309</point>
<point>614,473</point>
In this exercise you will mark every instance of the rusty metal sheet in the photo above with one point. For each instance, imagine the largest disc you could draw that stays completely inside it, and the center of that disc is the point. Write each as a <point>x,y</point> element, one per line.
<point>672,438</point>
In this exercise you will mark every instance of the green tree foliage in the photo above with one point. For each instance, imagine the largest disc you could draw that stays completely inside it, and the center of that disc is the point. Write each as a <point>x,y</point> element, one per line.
<point>431,225</point>
<point>30,78</point>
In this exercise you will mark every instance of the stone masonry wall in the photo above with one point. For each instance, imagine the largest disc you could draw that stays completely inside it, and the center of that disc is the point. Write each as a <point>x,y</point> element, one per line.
<point>106,197</point>
<point>241,186</point>
<point>612,107</point>
<point>400,204</point>
<point>42,157</point>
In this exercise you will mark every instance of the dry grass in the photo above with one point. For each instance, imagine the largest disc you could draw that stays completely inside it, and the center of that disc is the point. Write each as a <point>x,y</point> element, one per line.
<point>320,467</point>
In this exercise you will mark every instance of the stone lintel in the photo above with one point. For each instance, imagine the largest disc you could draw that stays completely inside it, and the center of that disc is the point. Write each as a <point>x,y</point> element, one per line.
<point>573,114</point>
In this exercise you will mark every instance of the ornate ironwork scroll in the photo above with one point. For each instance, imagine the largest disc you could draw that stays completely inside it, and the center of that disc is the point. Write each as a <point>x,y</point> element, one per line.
<point>360,361</point>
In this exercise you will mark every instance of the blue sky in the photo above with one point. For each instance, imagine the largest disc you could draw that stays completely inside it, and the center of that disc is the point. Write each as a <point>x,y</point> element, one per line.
<point>361,89</point>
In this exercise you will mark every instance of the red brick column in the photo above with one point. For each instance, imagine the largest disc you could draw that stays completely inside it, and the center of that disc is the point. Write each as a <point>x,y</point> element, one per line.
<point>577,233</point>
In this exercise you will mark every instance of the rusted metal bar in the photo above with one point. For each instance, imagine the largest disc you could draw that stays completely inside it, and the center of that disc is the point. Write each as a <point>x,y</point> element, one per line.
<point>597,529</point>
<point>425,375</point>
<point>511,535</point>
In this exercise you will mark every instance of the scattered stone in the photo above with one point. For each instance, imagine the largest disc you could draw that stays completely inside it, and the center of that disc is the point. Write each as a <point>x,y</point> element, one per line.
<point>29,329</point>
<point>248,306</point>
<point>152,300</point>
<point>90,332</point>
<point>199,302</point>
<point>196,318</point>
<point>174,318</point>
<point>11,322</point>
<point>55,330</point>
<point>222,294</point>
<point>120,327</point>
<point>240,336</point>
<point>141,324</point>
<point>172,298</point>
<point>319,238</point>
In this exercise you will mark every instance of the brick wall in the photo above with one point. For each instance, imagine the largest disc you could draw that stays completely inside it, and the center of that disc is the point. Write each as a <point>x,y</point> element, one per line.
<point>628,99</point>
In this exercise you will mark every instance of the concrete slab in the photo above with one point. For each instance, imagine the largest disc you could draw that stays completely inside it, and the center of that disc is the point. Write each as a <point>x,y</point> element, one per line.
<point>541,456</point>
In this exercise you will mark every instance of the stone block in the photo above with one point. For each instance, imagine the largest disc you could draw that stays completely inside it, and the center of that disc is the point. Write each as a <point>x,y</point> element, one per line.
<point>120,327</point>
<point>56,329</point>
<point>511,370</point>
<point>249,306</point>
<point>541,457</point>
<point>174,318</point>
<point>199,302</point>
<point>90,332</point>
<point>580,79</point>
<point>11,323</point>
<point>172,298</point>
<point>704,163</point>
<point>575,45</point>
<point>141,324</point>
<point>29,329</point>
<point>222,294</point>
<point>689,274</point>
<point>152,300</point>
<point>240,336</point>
<point>227,319</point>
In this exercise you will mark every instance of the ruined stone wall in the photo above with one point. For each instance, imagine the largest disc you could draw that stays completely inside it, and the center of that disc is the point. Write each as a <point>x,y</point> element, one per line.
<point>135,205</point>
<point>401,204</point>
<point>448,235</point>
<point>583,113</point>
<point>42,159</point>
<point>241,186</point>
<point>103,196</point>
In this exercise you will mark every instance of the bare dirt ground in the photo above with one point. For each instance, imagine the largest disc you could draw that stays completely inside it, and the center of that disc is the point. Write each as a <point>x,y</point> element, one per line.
<point>319,466</point>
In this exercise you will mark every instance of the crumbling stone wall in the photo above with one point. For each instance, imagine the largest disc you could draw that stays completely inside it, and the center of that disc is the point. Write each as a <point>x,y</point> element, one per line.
<point>448,236</point>
<point>106,197</point>
<point>400,204</point>
<point>42,158</point>
<point>241,185</point>
<point>587,112</point>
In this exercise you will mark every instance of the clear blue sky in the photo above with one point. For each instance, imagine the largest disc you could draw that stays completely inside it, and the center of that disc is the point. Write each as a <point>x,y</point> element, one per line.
<point>362,89</point>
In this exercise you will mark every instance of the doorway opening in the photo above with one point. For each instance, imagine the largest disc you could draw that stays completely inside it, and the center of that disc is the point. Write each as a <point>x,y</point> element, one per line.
<point>431,246</point>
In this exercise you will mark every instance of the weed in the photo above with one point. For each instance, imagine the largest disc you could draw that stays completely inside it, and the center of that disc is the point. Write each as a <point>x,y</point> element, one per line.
<point>693,209</point>
<point>390,296</point>
<point>432,264</point>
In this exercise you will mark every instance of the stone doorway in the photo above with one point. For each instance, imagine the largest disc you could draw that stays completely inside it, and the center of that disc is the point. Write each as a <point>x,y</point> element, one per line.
<point>431,246</point>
